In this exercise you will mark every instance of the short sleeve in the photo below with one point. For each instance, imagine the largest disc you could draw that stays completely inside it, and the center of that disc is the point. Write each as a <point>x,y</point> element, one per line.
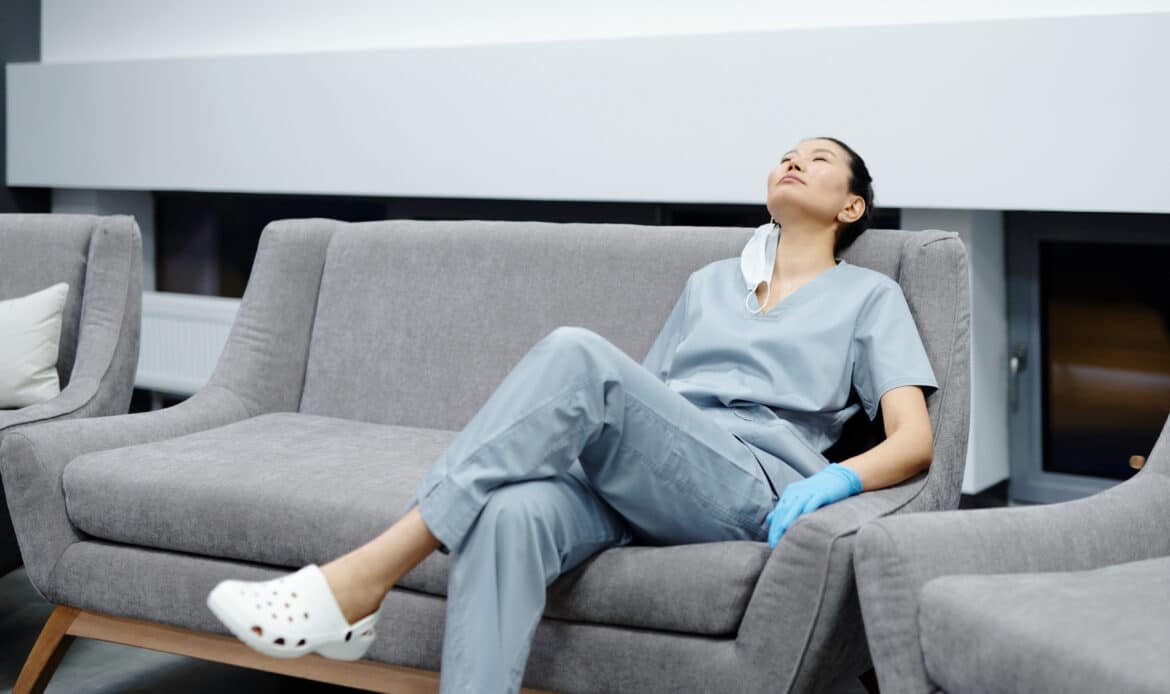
<point>661,355</point>
<point>887,349</point>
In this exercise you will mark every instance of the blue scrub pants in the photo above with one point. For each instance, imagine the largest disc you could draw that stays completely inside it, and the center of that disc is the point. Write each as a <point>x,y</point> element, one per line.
<point>580,448</point>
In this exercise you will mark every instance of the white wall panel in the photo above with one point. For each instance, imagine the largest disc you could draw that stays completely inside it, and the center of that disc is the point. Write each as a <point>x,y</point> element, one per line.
<point>1062,114</point>
<point>84,30</point>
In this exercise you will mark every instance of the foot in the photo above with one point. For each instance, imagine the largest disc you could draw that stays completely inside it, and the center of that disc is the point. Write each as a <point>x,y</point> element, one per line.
<point>357,593</point>
<point>290,616</point>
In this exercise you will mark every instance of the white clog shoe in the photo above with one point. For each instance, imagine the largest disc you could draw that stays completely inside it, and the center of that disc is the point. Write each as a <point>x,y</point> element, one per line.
<point>290,616</point>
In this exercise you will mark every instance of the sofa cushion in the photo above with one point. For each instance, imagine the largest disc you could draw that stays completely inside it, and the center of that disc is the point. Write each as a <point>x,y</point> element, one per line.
<point>1084,631</point>
<point>292,489</point>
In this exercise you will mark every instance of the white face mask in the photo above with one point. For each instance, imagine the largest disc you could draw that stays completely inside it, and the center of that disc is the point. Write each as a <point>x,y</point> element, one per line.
<point>757,261</point>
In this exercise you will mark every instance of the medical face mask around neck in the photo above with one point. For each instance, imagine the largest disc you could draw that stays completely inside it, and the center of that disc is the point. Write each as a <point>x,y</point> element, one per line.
<point>757,261</point>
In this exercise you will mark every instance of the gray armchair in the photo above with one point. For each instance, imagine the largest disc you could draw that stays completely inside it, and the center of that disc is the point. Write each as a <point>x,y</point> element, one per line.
<point>1071,597</point>
<point>357,352</point>
<point>101,259</point>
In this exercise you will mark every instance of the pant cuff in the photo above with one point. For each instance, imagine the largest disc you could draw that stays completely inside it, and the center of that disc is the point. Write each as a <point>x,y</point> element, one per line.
<point>449,512</point>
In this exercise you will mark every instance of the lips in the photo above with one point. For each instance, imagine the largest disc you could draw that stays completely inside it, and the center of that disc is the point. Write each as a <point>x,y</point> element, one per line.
<point>789,177</point>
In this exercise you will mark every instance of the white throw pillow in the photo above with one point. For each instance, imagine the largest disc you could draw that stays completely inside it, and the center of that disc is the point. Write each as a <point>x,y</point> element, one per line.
<point>30,332</point>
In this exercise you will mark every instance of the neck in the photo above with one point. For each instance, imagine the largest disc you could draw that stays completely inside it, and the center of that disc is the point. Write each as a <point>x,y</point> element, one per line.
<point>804,249</point>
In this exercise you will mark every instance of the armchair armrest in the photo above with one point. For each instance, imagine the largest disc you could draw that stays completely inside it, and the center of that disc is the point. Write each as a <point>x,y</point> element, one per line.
<point>33,458</point>
<point>102,376</point>
<point>803,618</point>
<point>895,557</point>
<point>71,400</point>
<point>80,398</point>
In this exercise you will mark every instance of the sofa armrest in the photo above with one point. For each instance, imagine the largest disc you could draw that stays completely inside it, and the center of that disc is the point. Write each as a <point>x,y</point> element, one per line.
<point>803,620</point>
<point>266,356</point>
<point>895,557</point>
<point>33,458</point>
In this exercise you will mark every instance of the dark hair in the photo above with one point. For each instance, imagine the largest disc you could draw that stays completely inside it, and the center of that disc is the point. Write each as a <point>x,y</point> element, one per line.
<point>860,183</point>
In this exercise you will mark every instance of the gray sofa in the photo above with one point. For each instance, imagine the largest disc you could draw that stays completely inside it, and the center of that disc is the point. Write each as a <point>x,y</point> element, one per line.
<point>1071,597</point>
<point>358,351</point>
<point>101,259</point>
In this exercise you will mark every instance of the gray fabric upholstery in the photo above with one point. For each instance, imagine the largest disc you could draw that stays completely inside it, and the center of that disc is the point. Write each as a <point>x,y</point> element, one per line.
<point>566,656</point>
<point>408,325</point>
<point>896,557</point>
<point>294,477</point>
<point>1066,632</point>
<point>33,458</point>
<point>819,619</point>
<point>263,363</point>
<point>261,370</point>
<point>303,488</point>
<point>37,251</point>
<point>411,324</point>
<point>101,260</point>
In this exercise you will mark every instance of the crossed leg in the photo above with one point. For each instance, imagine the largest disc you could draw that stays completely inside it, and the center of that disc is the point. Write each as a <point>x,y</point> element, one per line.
<point>579,448</point>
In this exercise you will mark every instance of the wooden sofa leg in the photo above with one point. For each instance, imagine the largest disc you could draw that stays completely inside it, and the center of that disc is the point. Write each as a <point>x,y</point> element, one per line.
<point>47,652</point>
<point>69,623</point>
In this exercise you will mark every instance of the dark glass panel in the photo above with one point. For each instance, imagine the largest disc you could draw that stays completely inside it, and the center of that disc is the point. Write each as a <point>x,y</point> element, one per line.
<point>1105,326</point>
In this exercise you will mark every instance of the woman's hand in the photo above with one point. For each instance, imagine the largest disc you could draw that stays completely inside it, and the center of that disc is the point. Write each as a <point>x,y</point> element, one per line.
<point>905,452</point>
<point>828,486</point>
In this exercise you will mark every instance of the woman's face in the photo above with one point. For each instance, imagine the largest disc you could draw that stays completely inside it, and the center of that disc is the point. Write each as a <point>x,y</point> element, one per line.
<point>812,181</point>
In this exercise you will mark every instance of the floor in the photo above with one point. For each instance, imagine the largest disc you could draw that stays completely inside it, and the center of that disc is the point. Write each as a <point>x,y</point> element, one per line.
<point>94,667</point>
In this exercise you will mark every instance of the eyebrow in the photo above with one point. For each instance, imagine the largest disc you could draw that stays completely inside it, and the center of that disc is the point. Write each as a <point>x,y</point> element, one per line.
<point>818,149</point>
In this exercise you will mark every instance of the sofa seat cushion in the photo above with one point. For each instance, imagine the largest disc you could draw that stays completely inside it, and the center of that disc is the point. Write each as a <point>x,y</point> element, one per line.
<point>292,489</point>
<point>1085,631</point>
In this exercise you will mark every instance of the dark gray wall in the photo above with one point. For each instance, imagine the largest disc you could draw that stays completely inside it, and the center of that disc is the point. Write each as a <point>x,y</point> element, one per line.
<point>20,42</point>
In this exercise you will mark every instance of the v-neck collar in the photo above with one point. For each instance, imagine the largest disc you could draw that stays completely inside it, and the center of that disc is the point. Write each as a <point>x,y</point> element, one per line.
<point>799,295</point>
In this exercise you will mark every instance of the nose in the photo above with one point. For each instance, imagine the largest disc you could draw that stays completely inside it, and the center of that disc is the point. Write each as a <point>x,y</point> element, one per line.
<point>794,164</point>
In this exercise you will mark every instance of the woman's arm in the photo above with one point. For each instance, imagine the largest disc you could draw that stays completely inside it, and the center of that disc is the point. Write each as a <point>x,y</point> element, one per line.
<point>909,445</point>
<point>907,450</point>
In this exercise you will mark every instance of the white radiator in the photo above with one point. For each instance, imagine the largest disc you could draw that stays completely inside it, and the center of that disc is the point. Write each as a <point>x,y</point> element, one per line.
<point>182,338</point>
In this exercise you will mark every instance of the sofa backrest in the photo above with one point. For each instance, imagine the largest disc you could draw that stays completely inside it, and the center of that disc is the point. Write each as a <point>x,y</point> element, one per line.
<point>38,251</point>
<point>415,323</point>
<point>931,267</point>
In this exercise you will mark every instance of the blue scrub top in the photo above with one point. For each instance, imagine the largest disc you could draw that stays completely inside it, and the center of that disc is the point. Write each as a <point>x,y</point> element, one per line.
<point>786,382</point>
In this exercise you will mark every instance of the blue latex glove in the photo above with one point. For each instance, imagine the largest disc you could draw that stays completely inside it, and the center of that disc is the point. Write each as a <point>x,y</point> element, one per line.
<point>828,486</point>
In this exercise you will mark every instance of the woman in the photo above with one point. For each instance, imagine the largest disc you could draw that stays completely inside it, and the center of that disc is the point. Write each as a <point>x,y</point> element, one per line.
<point>717,435</point>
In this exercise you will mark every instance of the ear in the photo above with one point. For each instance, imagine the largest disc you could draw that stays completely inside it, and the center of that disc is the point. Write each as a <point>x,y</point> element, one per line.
<point>852,211</point>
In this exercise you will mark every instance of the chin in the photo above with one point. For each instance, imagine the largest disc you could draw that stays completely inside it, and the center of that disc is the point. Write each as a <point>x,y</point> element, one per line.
<point>780,201</point>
